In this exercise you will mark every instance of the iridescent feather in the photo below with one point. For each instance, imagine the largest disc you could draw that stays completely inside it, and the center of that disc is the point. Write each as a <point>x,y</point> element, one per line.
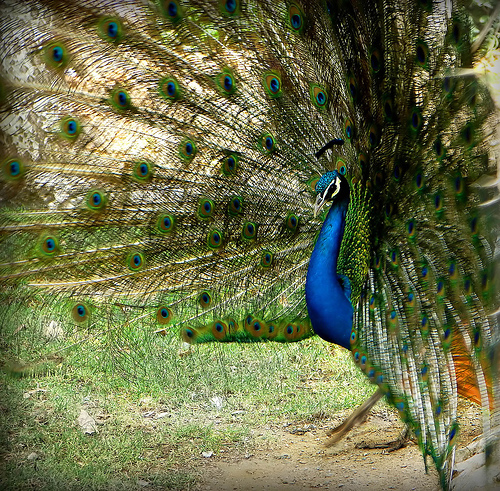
<point>159,163</point>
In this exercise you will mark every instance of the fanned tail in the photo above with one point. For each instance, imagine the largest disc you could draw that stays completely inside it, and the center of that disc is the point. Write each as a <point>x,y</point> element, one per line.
<point>158,171</point>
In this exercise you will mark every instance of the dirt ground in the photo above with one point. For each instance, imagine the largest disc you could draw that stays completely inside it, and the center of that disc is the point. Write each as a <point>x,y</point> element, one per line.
<point>300,460</point>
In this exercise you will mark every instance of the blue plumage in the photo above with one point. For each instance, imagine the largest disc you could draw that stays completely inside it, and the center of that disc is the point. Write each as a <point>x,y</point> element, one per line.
<point>159,167</point>
<point>329,308</point>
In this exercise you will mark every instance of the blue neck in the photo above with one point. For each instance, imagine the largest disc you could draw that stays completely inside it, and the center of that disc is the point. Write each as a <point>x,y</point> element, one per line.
<point>329,308</point>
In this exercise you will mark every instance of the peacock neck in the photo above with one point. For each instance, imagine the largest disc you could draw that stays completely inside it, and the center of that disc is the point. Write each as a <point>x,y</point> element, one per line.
<point>329,308</point>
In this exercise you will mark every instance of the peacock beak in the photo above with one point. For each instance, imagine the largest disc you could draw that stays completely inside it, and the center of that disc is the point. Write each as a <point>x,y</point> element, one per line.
<point>327,195</point>
<point>320,201</point>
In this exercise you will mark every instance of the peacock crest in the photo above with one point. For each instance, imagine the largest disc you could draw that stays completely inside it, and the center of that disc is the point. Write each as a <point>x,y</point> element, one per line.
<point>160,163</point>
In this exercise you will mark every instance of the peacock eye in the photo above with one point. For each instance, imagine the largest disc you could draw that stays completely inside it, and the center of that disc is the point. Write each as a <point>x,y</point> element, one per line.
<point>230,6</point>
<point>11,170</point>
<point>214,239</point>
<point>135,261</point>
<point>249,231</point>
<point>56,55</point>
<point>266,259</point>
<point>120,99</point>
<point>353,87</point>
<point>230,165</point>
<point>15,168</point>
<point>226,82</point>
<point>187,149</point>
<point>296,18</point>
<point>96,200</point>
<point>171,10</point>
<point>110,29</point>
<point>164,315</point>
<point>206,208</point>
<point>348,129</point>
<point>268,143</point>
<point>319,96</point>
<point>272,84</point>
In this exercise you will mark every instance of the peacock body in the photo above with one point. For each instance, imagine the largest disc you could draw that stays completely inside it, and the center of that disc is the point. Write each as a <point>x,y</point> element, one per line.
<point>161,160</point>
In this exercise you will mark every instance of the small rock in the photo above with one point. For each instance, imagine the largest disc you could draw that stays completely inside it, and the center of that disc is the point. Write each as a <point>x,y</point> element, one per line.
<point>33,456</point>
<point>217,401</point>
<point>207,455</point>
<point>87,423</point>
<point>28,394</point>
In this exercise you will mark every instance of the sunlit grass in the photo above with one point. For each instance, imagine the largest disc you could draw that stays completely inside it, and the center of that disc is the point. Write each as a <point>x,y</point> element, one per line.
<point>158,406</point>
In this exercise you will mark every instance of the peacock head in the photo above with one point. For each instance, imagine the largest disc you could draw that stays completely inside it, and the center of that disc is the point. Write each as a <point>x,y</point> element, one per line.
<point>332,186</point>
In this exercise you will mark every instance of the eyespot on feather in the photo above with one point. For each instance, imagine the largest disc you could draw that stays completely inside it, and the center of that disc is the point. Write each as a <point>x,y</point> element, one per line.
<point>226,82</point>
<point>272,84</point>
<point>230,165</point>
<point>267,143</point>
<point>170,89</point>
<point>171,10</point>
<point>319,96</point>
<point>206,208</point>
<point>266,259</point>
<point>165,223</point>
<point>164,315</point>
<point>120,99</point>
<point>96,200</point>
<point>230,8</point>
<point>205,299</point>
<point>187,149</point>
<point>48,245</point>
<point>81,312</point>
<point>56,54</point>
<point>292,222</point>
<point>110,29</point>
<point>215,239</point>
<point>296,19</point>
<point>135,261</point>
<point>142,171</point>
<point>235,206</point>
<point>11,170</point>
<point>70,128</point>
<point>249,231</point>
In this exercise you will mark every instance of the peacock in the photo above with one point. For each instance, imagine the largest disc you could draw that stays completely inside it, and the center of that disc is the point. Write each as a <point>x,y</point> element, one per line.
<point>243,170</point>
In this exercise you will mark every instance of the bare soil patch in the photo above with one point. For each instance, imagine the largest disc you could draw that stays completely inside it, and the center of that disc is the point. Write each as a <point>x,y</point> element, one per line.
<point>298,459</point>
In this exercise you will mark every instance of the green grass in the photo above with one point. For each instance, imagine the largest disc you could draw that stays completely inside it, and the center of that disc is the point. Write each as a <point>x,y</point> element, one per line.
<point>211,397</point>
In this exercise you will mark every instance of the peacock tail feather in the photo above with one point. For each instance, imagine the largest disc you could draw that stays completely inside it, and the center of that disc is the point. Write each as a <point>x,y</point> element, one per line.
<point>159,163</point>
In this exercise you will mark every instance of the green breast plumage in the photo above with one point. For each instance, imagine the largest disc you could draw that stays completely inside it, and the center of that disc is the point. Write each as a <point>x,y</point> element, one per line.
<point>356,247</point>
